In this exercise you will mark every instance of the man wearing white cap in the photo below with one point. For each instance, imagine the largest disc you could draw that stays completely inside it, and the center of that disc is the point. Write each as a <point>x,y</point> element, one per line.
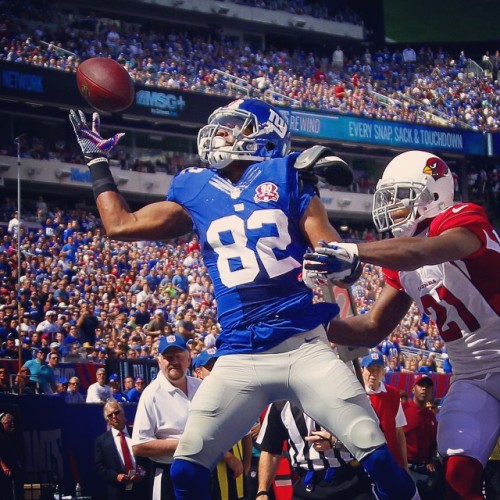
<point>49,325</point>
<point>162,412</point>
<point>157,323</point>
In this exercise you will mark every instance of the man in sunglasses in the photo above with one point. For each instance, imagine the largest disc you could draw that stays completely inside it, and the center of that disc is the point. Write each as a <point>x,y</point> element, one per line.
<point>72,394</point>
<point>113,458</point>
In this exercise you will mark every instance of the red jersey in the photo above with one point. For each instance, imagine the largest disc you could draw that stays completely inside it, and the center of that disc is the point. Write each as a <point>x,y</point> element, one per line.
<point>462,297</point>
<point>420,432</point>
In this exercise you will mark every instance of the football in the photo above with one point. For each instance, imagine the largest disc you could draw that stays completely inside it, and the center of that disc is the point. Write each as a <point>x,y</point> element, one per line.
<point>105,84</point>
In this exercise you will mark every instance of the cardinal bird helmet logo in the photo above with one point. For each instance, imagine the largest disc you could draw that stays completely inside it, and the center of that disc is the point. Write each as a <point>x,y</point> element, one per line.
<point>436,168</point>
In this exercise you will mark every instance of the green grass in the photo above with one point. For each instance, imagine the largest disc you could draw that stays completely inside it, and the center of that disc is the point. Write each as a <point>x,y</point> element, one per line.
<point>434,21</point>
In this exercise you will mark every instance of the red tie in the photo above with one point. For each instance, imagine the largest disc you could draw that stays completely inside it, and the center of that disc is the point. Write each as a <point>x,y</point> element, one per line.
<point>127,458</point>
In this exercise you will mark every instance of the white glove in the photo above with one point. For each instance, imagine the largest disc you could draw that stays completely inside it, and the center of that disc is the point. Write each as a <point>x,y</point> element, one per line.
<point>332,262</point>
<point>311,281</point>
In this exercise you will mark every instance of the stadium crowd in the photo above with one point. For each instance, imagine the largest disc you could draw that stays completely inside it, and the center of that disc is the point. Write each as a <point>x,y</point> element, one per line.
<point>83,297</point>
<point>420,86</point>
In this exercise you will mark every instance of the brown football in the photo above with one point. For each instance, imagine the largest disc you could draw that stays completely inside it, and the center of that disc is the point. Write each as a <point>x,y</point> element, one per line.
<point>105,84</point>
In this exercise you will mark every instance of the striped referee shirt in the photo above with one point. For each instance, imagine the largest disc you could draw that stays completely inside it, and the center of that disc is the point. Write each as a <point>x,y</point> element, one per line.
<point>285,421</point>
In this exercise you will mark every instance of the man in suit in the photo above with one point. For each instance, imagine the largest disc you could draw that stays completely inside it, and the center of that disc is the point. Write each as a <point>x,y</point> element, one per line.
<point>114,461</point>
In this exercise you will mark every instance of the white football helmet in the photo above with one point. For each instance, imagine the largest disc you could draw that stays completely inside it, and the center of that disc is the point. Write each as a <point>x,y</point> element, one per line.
<point>257,130</point>
<point>415,186</point>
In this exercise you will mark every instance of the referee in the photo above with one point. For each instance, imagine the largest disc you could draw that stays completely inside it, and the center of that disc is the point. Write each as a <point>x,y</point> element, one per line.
<point>323,468</point>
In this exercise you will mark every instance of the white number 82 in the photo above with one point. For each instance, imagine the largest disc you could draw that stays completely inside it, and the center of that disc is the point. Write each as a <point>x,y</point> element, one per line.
<point>239,249</point>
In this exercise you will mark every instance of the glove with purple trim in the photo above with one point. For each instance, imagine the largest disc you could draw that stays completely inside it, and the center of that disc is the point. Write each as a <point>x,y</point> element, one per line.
<point>92,144</point>
<point>332,262</point>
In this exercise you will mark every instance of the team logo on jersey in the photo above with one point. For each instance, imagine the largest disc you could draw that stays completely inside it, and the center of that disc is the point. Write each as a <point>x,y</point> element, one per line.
<point>436,167</point>
<point>266,192</point>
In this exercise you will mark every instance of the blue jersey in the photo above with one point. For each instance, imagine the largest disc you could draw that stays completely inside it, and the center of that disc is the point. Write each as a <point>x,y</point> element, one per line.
<point>253,247</point>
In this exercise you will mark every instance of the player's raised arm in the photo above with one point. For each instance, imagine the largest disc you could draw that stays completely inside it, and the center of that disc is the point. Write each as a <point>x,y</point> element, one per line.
<point>156,221</point>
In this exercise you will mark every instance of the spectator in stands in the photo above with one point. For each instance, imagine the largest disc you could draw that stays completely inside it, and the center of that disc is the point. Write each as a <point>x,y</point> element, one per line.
<point>99,392</point>
<point>135,393</point>
<point>49,325</point>
<point>421,440</point>
<point>13,226</point>
<point>117,394</point>
<point>180,281</point>
<point>23,384</point>
<point>156,434</point>
<point>386,402</point>
<point>73,394</point>
<point>390,347</point>
<point>338,59</point>
<point>114,461</point>
<point>9,350</point>
<point>128,385</point>
<point>157,324</point>
<point>4,381</point>
<point>61,388</point>
<point>87,324</point>
<point>53,362</point>
<point>12,459</point>
<point>186,329</point>
<point>142,316</point>
<point>41,372</point>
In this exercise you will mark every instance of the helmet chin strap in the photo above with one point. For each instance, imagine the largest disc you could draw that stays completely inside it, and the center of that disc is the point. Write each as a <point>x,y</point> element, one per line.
<point>411,228</point>
<point>405,229</point>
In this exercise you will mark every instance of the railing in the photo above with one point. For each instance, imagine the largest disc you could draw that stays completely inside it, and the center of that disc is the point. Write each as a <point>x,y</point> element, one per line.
<point>270,95</point>
<point>473,67</point>
<point>431,114</point>
<point>235,82</point>
<point>384,100</point>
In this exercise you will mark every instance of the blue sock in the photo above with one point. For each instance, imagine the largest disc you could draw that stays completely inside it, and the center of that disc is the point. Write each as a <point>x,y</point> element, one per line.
<point>191,481</point>
<point>392,481</point>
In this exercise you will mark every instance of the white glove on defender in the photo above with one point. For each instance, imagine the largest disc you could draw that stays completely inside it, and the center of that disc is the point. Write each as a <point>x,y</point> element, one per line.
<point>332,262</point>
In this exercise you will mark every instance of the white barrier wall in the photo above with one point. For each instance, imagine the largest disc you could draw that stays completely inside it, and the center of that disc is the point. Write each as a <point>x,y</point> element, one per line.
<point>67,175</point>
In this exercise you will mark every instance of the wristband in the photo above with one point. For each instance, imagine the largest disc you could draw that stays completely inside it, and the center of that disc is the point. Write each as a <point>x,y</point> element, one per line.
<point>102,180</point>
<point>262,493</point>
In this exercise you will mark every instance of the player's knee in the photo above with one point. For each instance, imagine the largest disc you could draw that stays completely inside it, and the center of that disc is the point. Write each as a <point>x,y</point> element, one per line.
<point>365,433</point>
<point>190,445</point>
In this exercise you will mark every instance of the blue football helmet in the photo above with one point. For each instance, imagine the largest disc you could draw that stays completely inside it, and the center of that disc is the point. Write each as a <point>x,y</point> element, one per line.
<point>246,129</point>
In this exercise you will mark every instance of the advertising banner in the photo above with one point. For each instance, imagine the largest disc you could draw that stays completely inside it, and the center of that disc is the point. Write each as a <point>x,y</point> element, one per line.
<point>39,85</point>
<point>345,128</point>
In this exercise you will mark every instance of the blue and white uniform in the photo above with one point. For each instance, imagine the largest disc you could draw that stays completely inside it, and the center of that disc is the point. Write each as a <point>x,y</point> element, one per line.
<point>252,246</point>
<point>273,344</point>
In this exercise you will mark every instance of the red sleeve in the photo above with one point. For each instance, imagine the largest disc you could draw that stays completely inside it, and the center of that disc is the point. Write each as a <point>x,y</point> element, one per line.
<point>466,215</point>
<point>392,278</point>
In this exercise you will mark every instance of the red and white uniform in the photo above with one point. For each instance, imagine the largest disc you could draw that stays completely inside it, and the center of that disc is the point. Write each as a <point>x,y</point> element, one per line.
<point>462,297</point>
